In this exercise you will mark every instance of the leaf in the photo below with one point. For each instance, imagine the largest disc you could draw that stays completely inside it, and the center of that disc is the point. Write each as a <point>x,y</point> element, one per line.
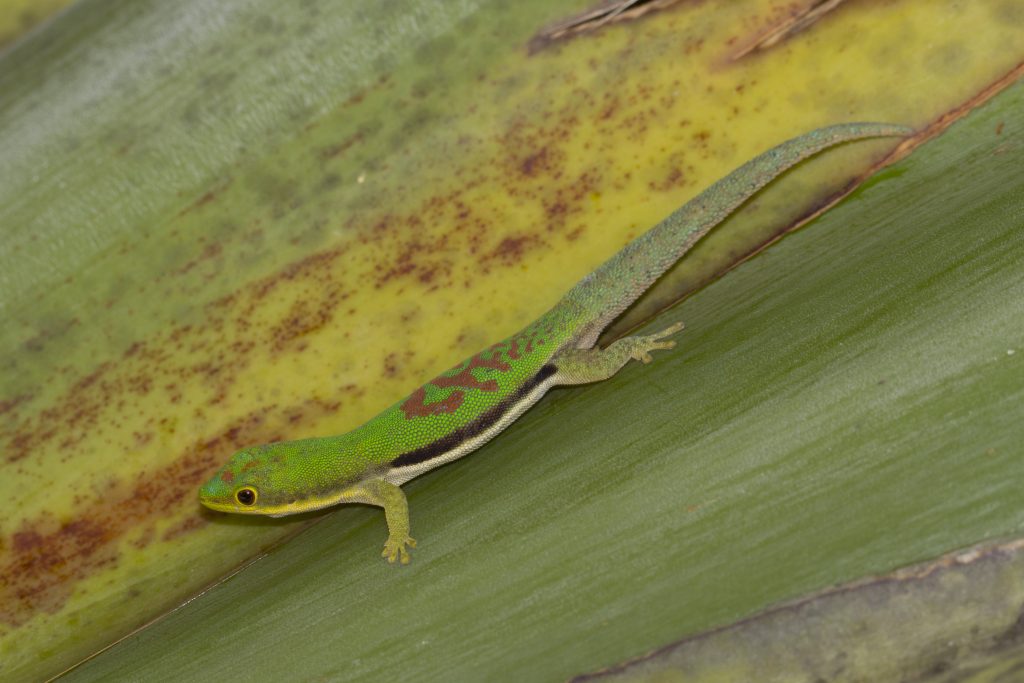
<point>957,618</point>
<point>17,17</point>
<point>227,223</point>
<point>847,402</point>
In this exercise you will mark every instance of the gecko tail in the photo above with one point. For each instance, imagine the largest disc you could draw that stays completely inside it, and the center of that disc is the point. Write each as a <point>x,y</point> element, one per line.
<point>605,293</point>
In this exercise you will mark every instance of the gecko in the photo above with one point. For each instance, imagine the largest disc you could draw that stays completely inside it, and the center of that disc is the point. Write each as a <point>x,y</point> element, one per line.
<point>463,408</point>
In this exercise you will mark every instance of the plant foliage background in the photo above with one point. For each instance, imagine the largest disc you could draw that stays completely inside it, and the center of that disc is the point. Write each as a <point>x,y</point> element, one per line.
<point>232,223</point>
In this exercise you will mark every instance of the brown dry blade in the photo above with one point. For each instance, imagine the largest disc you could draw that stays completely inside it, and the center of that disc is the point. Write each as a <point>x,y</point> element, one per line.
<point>595,18</point>
<point>959,615</point>
<point>790,26</point>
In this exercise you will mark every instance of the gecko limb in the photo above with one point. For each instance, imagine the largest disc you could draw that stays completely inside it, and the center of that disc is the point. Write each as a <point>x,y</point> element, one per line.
<point>396,512</point>
<point>580,366</point>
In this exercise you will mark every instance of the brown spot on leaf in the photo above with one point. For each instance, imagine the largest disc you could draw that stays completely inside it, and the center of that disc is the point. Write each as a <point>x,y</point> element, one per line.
<point>335,150</point>
<point>675,178</point>
<point>512,249</point>
<point>535,163</point>
<point>26,540</point>
<point>10,404</point>
<point>183,527</point>
<point>210,251</point>
<point>206,198</point>
<point>38,342</point>
<point>47,559</point>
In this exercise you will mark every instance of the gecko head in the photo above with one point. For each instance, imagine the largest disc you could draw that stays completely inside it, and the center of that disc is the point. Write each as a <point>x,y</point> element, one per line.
<point>246,484</point>
<point>276,479</point>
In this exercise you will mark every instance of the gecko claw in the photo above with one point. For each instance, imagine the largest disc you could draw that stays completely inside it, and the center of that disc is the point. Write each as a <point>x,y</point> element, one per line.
<point>650,343</point>
<point>645,356</point>
<point>394,549</point>
<point>668,331</point>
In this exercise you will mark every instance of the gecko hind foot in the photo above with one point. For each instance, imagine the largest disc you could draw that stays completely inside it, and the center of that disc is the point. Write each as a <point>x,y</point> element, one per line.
<point>647,343</point>
<point>394,549</point>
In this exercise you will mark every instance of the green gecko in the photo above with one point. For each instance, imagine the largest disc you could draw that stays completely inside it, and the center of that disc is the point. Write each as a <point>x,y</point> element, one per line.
<point>463,408</point>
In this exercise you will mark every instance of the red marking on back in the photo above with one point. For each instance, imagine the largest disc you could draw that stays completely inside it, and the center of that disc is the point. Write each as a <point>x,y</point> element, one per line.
<point>465,378</point>
<point>513,348</point>
<point>416,406</point>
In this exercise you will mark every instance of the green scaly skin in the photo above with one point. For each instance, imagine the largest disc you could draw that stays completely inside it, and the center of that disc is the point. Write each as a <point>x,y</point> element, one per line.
<point>463,408</point>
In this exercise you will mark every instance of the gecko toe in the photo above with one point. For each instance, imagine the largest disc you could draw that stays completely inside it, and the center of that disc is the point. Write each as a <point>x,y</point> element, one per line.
<point>395,551</point>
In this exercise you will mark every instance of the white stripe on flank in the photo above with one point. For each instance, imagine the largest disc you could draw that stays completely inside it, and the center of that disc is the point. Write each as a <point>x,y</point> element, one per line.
<point>400,475</point>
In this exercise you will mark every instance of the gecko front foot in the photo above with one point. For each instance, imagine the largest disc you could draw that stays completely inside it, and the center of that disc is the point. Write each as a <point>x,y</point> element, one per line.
<point>394,549</point>
<point>644,345</point>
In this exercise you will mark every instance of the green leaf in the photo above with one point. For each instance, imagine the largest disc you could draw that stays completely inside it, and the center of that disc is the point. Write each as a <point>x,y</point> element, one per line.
<point>234,222</point>
<point>847,402</point>
<point>957,618</point>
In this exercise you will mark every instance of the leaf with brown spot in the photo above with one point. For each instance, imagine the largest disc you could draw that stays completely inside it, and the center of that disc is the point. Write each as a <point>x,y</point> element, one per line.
<point>144,340</point>
<point>845,404</point>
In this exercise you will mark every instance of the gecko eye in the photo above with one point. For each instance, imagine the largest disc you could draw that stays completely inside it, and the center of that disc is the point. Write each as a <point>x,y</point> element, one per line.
<point>245,496</point>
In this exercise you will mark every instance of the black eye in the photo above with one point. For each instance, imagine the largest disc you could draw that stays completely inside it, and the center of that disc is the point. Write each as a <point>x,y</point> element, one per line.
<point>245,496</point>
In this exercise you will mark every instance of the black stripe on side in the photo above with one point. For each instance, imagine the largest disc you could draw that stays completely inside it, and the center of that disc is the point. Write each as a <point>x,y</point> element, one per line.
<point>453,440</point>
